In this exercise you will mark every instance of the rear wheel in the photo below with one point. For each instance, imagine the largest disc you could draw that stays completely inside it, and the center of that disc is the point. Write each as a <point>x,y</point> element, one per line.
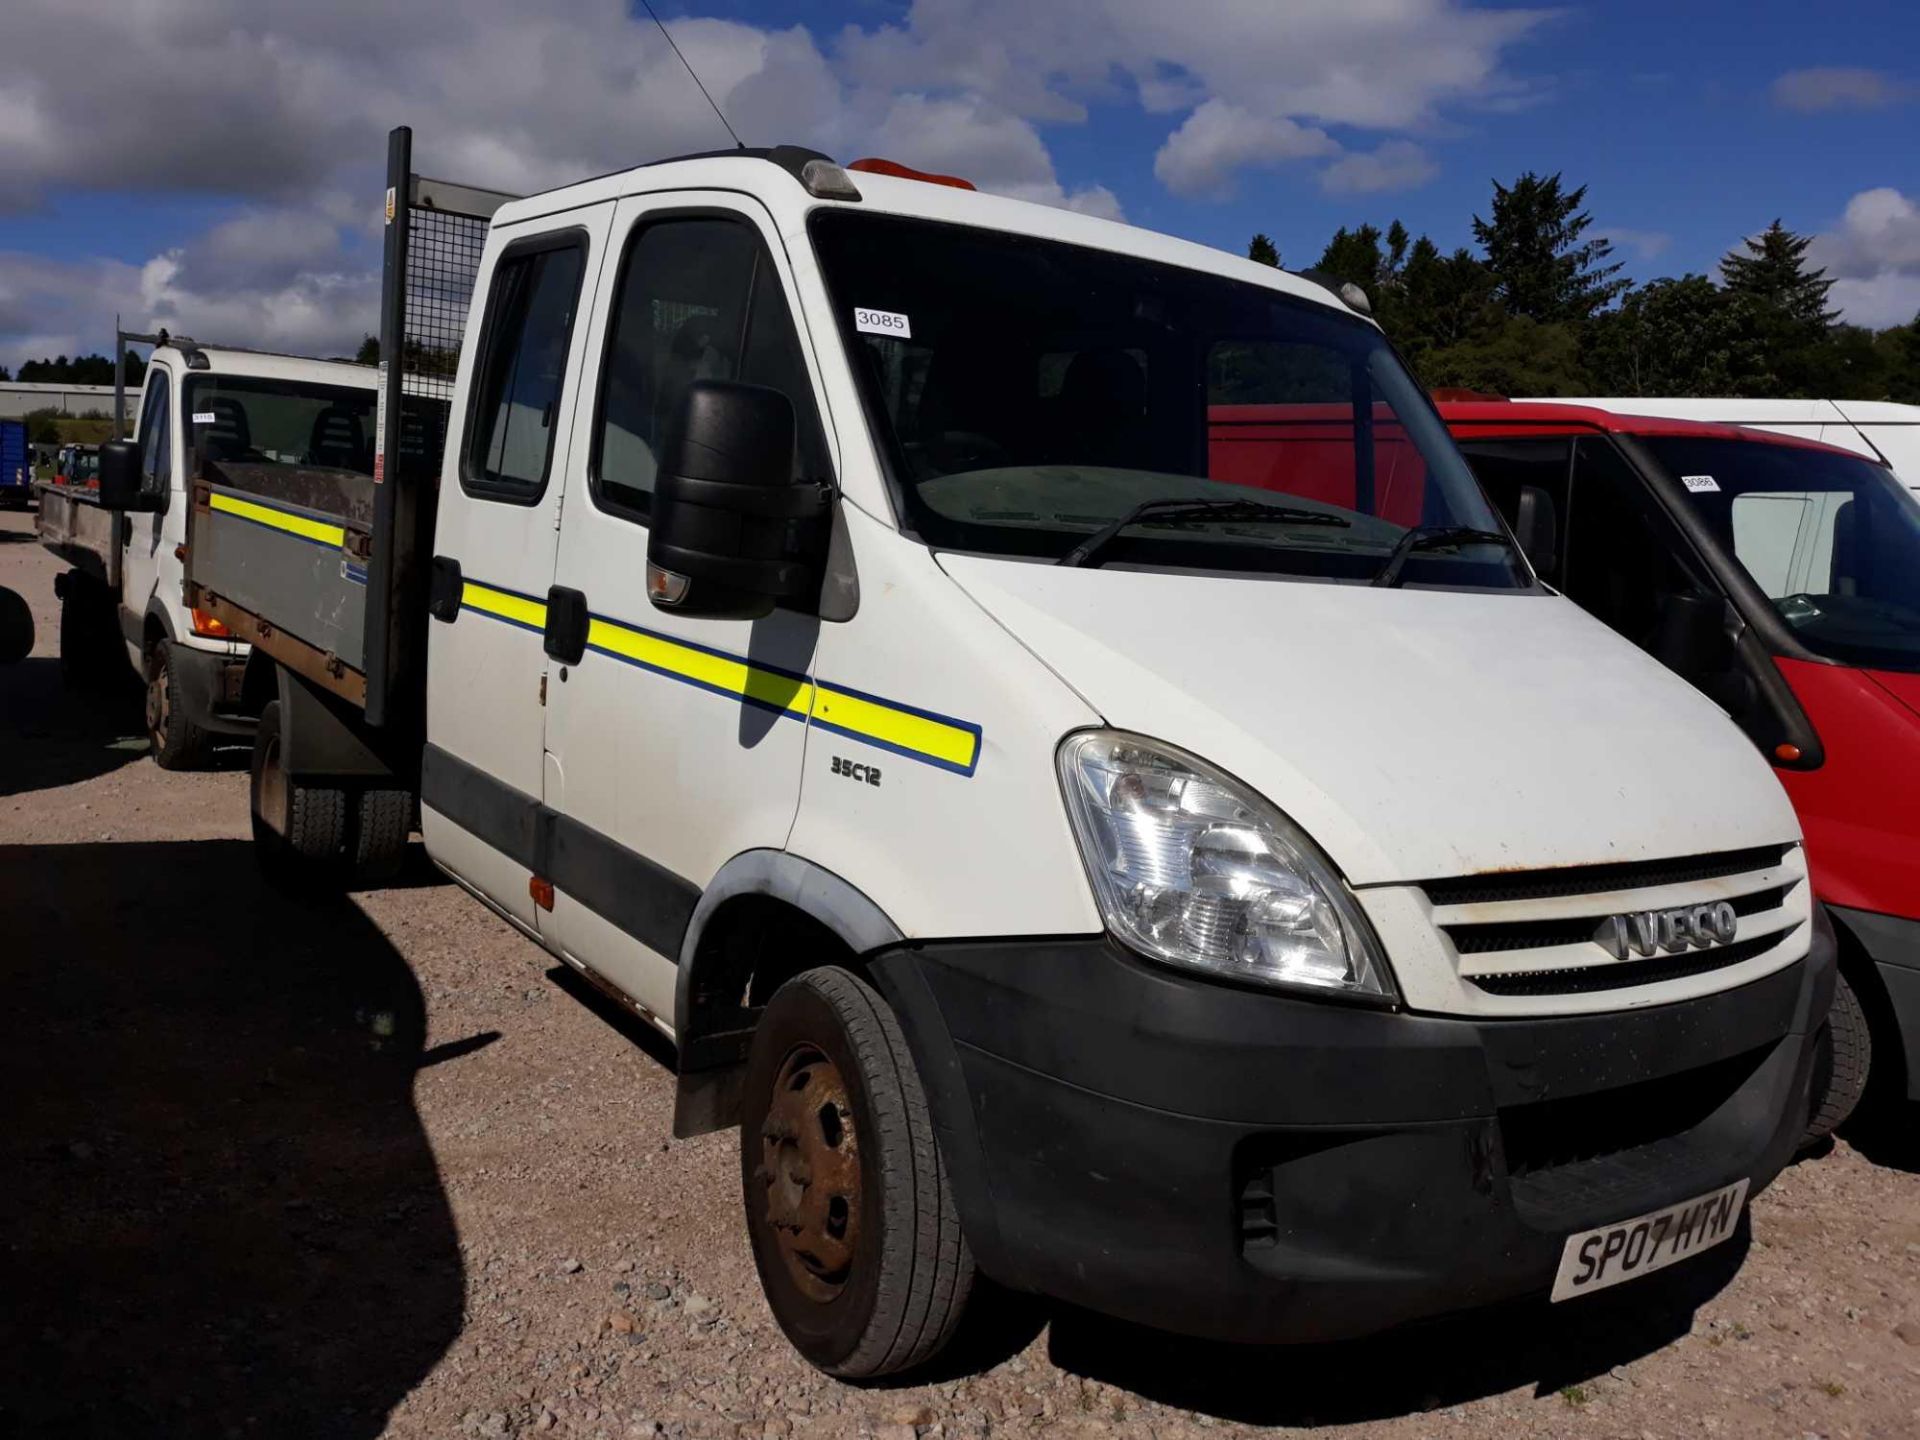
<point>1841,1063</point>
<point>298,829</point>
<point>853,1226</point>
<point>382,821</point>
<point>178,742</point>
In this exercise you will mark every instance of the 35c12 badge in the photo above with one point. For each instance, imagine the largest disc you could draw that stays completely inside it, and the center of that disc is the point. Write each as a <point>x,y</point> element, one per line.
<point>860,774</point>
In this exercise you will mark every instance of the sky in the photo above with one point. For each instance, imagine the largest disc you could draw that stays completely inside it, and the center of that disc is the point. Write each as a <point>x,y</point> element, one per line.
<point>216,166</point>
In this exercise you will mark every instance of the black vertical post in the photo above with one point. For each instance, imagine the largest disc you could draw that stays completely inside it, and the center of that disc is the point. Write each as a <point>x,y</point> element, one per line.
<point>393,503</point>
<point>1363,457</point>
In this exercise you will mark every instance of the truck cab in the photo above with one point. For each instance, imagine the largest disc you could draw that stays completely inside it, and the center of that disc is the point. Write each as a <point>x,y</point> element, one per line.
<point>210,403</point>
<point>1806,557</point>
<point>1237,896</point>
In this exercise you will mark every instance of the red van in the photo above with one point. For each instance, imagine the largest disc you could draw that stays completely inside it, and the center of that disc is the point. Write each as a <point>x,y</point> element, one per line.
<point>1782,577</point>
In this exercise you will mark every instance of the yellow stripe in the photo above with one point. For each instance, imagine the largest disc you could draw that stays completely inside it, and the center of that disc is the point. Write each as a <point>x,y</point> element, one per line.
<point>938,740</point>
<point>735,677</point>
<point>896,726</point>
<point>279,519</point>
<point>507,607</point>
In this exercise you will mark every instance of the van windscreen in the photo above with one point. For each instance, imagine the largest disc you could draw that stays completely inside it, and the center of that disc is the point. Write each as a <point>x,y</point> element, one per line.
<point>1832,540</point>
<point>1027,393</point>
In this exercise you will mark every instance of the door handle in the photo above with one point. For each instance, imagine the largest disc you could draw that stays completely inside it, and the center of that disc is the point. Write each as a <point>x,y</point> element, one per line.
<point>566,633</point>
<point>445,586</point>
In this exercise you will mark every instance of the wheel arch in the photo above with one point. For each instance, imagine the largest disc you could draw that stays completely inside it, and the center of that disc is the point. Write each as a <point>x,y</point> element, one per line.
<point>766,915</point>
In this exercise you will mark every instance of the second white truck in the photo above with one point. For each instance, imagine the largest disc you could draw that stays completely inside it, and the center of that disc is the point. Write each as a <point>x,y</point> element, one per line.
<point>840,626</point>
<point>123,602</point>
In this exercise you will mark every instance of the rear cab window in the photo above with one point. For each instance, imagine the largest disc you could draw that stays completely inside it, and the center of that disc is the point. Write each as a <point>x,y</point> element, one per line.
<point>531,305</point>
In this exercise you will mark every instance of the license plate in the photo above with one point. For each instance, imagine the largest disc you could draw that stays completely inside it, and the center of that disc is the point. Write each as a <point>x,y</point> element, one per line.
<point>1595,1259</point>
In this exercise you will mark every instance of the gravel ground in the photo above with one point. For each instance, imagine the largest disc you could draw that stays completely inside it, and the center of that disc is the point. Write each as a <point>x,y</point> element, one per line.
<point>372,1166</point>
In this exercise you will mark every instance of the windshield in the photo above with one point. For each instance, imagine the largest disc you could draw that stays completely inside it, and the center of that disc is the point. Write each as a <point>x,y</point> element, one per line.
<point>1025,394</point>
<point>1832,540</point>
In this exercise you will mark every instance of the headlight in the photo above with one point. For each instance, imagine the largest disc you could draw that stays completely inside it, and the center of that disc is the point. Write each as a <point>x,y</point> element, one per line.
<point>1192,868</point>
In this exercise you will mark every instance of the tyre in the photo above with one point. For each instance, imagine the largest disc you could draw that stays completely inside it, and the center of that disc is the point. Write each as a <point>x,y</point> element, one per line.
<point>16,628</point>
<point>299,830</point>
<point>1843,1056</point>
<point>382,821</point>
<point>853,1226</point>
<point>178,743</point>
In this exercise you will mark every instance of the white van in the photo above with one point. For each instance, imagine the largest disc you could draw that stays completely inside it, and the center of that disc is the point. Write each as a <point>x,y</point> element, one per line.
<point>1879,429</point>
<point>1073,837</point>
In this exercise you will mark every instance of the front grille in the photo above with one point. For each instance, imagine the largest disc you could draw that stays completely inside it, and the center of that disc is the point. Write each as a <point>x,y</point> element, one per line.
<point>1550,1134</point>
<point>1624,974</point>
<point>1540,934</point>
<point>1592,879</point>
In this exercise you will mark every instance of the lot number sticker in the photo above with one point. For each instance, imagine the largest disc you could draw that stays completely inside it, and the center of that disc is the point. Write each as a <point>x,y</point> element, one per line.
<point>204,417</point>
<point>881,322</point>
<point>1701,484</point>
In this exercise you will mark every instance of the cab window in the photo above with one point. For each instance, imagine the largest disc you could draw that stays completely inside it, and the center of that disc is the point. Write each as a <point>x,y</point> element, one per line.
<point>698,299</point>
<point>522,366</point>
<point>156,437</point>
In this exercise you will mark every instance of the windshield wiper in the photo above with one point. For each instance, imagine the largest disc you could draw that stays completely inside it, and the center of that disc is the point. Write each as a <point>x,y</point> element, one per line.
<point>1173,509</point>
<point>1435,537</point>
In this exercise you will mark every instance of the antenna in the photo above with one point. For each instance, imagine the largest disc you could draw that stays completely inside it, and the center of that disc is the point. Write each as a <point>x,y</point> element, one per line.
<point>738,142</point>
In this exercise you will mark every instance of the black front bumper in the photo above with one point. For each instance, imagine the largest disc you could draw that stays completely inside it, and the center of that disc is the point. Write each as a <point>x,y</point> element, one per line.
<point>1244,1165</point>
<point>208,685</point>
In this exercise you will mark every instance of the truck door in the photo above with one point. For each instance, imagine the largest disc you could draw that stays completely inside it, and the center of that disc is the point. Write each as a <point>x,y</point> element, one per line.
<point>140,552</point>
<point>676,742</point>
<point>498,517</point>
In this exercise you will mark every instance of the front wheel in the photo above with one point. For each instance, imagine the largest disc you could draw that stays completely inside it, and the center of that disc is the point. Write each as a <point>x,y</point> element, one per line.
<point>1841,1063</point>
<point>853,1226</point>
<point>179,743</point>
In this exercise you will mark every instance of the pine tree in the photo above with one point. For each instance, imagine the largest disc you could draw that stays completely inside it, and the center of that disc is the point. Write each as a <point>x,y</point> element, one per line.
<point>1542,269</point>
<point>1261,250</point>
<point>1774,271</point>
<point>1355,256</point>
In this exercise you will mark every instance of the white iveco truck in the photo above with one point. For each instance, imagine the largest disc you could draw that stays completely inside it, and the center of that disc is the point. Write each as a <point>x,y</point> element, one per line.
<point>124,594</point>
<point>1253,906</point>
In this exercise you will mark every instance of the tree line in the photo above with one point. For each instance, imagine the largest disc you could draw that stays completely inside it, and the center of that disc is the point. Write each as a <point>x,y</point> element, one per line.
<point>1540,308</point>
<point>81,370</point>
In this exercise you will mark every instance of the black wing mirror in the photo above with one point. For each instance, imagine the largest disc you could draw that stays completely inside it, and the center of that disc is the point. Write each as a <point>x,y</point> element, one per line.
<point>120,478</point>
<point>1536,525</point>
<point>1692,638</point>
<point>733,534</point>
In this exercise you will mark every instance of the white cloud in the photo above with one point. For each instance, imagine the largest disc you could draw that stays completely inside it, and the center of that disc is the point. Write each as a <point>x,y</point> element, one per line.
<point>1393,165</point>
<point>1837,87</point>
<point>281,110</point>
<point>1219,139</point>
<point>1874,256</point>
<point>1647,244</point>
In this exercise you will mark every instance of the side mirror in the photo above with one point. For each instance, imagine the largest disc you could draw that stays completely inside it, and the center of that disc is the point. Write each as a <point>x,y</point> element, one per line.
<point>1692,638</point>
<point>1536,525</point>
<point>733,534</point>
<point>120,477</point>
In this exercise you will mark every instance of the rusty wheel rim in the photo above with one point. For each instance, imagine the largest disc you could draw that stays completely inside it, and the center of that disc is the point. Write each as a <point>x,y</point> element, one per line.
<point>810,1172</point>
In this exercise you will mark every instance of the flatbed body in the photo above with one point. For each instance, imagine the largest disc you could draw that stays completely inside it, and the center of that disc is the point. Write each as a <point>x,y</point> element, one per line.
<point>74,525</point>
